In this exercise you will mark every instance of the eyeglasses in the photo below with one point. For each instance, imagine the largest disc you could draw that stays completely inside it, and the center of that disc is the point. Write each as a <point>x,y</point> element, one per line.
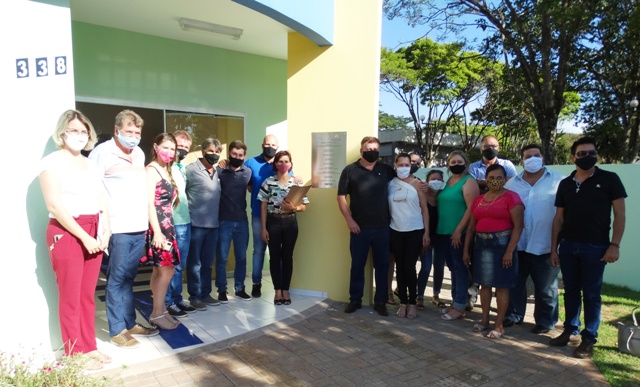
<point>591,152</point>
<point>78,132</point>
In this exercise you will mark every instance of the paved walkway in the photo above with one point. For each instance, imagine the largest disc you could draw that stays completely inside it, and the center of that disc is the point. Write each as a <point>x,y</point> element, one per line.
<point>324,346</point>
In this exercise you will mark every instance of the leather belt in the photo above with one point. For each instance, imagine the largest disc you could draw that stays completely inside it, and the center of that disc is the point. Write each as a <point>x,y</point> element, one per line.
<point>491,235</point>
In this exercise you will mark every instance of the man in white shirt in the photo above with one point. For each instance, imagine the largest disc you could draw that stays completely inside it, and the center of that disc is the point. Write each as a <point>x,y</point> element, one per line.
<point>536,186</point>
<point>121,166</point>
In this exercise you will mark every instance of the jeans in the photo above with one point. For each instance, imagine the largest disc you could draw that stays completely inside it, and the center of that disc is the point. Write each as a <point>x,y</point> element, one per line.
<point>283,233</point>
<point>426,260</point>
<point>125,251</point>
<point>545,281</point>
<point>459,272</point>
<point>183,238</point>
<point>376,238</point>
<point>582,271</point>
<point>238,232</point>
<point>259,248</point>
<point>202,251</point>
<point>406,248</point>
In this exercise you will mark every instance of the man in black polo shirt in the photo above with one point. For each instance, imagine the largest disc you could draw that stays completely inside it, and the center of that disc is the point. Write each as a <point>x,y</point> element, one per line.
<point>233,221</point>
<point>366,181</point>
<point>580,241</point>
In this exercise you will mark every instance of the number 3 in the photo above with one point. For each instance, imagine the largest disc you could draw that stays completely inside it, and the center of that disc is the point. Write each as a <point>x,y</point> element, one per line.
<point>42,69</point>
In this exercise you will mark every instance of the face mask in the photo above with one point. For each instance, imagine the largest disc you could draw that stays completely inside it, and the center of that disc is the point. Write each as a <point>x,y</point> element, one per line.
<point>457,169</point>
<point>235,162</point>
<point>414,168</point>
<point>128,142</point>
<point>403,172</point>
<point>165,155</point>
<point>268,152</point>
<point>436,185</point>
<point>182,154</point>
<point>76,142</point>
<point>495,185</point>
<point>211,158</point>
<point>586,163</point>
<point>283,168</point>
<point>371,156</point>
<point>490,153</point>
<point>533,164</point>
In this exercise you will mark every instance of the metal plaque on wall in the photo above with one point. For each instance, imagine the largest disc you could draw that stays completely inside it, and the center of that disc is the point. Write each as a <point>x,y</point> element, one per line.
<point>328,158</point>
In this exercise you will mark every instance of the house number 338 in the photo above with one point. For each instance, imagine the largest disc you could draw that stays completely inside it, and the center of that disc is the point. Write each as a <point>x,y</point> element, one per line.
<point>42,67</point>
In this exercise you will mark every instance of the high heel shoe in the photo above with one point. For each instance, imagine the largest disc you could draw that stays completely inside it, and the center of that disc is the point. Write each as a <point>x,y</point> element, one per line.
<point>162,322</point>
<point>286,300</point>
<point>277,301</point>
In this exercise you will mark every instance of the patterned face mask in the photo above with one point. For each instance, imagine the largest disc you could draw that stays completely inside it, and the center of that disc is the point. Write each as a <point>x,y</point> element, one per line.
<point>495,185</point>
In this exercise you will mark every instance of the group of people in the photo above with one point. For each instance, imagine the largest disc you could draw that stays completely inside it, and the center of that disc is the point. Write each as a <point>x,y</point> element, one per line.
<point>492,228</point>
<point>164,214</point>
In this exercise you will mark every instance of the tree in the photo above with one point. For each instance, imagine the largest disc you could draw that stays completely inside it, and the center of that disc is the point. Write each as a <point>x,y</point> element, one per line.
<point>537,41</point>
<point>436,82</point>
<point>391,122</point>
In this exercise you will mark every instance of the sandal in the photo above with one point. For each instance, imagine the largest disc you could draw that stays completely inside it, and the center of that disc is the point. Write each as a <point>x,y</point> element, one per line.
<point>277,301</point>
<point>391,301</point>
<point>402,311</point>
<point>162,322</point>
<point>435,300</point>
<point>453,314</point>
<point>495,334</point>
<point>420,303</point>
<point>446,309</point>
<point>286,300</point>
<point>478,328</point>
<point>99,356</point>
<point>412,312</point>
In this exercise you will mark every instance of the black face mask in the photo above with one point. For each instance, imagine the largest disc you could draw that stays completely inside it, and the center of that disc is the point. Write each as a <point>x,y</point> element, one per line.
<point>414,168</point>
<point>268,152</point>
<point>182,154</point>
<point>235,162</point>
<point>457,169</point>
<point>211,158</point>
<point>586,163</point>
<point>490,153</point>
<point>371,156</point>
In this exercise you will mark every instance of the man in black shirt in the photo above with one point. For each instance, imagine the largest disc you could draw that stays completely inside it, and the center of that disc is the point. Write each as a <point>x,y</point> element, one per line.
<point>367,216</point>
<point>580,241</point>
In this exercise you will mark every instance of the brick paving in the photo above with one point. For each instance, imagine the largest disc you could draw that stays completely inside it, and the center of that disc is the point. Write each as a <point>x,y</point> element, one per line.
<point>323,346</point>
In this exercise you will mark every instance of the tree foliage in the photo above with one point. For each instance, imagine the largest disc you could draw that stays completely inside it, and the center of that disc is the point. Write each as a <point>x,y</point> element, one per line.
<point>390,122</point>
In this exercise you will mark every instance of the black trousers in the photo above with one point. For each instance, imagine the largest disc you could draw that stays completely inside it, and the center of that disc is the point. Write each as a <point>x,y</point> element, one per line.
<point>406,248</point>
<point>283,233</point>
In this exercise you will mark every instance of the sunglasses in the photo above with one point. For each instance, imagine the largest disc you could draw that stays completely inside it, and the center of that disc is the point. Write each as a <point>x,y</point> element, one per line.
<point>592,152</point>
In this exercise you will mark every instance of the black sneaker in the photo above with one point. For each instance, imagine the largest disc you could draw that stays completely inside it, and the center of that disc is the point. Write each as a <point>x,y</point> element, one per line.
<point>222,297</point>
<point>185,307</point>
<point>175,311</point>
<point>381,308</point>
<point>255,291</point>
<point>585,349</point>
<point>243,295</point>
<point>352,306</point>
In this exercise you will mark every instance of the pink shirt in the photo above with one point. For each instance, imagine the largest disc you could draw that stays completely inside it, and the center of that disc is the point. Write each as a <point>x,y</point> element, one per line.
<point>493,216</point>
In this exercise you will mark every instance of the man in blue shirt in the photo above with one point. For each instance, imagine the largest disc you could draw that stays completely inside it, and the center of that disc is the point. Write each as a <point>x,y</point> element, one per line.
<point>489,147</point>
<point>536,186</point>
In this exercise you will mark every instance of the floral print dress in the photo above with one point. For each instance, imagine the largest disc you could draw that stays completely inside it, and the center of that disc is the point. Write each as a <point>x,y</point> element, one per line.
<point>165,193</point>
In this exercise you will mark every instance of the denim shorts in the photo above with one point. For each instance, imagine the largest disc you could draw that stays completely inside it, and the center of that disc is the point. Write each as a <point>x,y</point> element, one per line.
<point>488,251</point>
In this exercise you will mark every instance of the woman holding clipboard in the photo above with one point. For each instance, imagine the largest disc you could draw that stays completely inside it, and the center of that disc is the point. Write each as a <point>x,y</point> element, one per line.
<point>279,224</point>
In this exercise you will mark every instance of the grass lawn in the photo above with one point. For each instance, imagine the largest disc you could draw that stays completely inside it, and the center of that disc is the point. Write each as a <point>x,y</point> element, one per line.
<point>618,368</point>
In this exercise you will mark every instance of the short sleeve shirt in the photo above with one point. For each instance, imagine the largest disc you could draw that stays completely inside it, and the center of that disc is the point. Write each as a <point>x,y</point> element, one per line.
<point>479,171</point>
<point>587,209</point>
<point>368,191</point>
<point>273,194</point>
<point>203,193</point>
<point>233,199</point>
<point>494,216</point>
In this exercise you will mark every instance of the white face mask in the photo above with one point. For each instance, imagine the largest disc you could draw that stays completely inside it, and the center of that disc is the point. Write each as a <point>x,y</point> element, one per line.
<point>533,164</point>
<point>76,142</point>
<point>403,172</point>
<point>436,185</point>
<point>128,142</point>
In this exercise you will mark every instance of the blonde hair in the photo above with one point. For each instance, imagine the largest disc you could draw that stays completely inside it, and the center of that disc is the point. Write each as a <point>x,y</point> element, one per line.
<point>464,157</point>
<point>63,126</point>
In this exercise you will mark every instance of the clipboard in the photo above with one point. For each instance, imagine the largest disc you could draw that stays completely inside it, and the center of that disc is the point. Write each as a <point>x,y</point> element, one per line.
<point>297,193</point>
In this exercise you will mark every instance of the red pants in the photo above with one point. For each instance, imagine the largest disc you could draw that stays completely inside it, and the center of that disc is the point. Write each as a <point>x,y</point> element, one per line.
<point>76,274</point>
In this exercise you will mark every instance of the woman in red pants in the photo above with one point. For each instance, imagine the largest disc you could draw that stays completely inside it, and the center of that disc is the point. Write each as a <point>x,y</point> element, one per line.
<point>77,234</point>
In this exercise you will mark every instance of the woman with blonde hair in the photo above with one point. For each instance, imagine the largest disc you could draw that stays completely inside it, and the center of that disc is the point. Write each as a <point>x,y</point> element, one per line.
<point>162,247</point>
<point>77,234</point>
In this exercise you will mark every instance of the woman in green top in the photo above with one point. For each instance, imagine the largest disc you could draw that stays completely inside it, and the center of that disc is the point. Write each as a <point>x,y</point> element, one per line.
<point>454,202</point>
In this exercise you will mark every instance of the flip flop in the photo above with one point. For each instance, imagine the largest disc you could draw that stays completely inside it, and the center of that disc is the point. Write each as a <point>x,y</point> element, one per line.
<point>479,328</point>
<point>495,334</point>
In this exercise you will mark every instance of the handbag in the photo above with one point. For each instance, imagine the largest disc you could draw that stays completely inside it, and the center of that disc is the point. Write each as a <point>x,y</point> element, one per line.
<point>629,336</point>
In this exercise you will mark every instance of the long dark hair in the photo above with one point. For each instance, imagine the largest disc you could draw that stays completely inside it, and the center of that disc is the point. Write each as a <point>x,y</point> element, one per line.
<point>162,137</point>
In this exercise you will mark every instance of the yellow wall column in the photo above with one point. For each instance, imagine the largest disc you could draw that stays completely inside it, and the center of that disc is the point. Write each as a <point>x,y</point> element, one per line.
<point>332,89</point>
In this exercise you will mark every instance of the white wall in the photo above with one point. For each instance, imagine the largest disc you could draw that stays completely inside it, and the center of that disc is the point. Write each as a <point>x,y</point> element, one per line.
<point>31,107</point>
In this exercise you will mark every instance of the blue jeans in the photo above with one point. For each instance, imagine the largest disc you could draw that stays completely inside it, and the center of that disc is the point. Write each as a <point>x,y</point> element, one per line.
<point>582,271</point>
<point>376,238</point>
<point>183,238</point>
<point>426,260</point>
<point>202,251</point>
<point>459,272</point>
<point>545,281</point>
<point>238,232</point>
<point>125,251</point>
<point>259,248</point>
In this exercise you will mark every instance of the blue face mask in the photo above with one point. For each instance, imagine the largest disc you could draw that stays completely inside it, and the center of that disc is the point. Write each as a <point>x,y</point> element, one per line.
<point>128,142</point>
